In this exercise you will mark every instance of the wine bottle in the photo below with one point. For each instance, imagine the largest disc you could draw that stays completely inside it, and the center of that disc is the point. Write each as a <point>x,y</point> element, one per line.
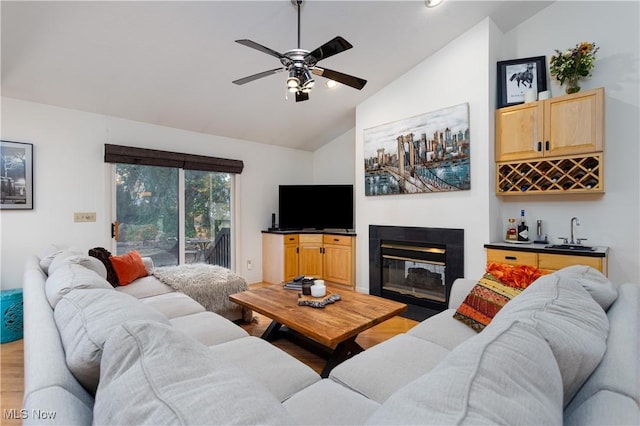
<point>523,229</point>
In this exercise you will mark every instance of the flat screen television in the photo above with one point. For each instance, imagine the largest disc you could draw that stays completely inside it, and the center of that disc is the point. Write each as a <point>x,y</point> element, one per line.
<point>315,207</point>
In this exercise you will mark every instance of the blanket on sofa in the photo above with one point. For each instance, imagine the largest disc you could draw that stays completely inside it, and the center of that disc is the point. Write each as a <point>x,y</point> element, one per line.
<point>209,285</point>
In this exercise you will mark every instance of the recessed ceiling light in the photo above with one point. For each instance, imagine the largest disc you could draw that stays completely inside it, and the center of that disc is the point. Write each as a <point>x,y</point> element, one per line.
<point>432,3</point>
<point>331,84</point>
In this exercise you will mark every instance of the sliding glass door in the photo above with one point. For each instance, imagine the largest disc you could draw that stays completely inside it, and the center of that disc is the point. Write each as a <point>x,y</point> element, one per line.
<point>149,205</point>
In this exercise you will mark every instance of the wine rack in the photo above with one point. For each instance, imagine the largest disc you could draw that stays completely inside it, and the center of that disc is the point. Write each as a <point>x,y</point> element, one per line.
<point>560,175</point>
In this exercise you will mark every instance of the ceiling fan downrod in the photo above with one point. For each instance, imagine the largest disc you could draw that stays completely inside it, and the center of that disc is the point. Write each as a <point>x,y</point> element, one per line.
<point>298,3</point>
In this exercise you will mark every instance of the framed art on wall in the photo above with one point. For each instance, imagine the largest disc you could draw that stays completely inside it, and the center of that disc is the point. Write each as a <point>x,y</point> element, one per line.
<point>16,173</point>
<point>421,154</point>
<point>516,76</point>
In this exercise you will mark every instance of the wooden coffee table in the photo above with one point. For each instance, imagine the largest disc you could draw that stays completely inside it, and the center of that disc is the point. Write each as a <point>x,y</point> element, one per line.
<point>335,326</point>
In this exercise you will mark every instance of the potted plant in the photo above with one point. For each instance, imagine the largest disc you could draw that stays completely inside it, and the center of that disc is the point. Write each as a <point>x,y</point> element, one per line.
<point>572,64</point>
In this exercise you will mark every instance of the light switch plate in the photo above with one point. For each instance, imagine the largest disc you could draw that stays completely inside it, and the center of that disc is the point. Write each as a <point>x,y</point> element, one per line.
<point>84,217</point>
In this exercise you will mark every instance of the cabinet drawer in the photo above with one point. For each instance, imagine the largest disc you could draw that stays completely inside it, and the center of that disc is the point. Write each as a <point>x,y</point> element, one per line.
<point>310,238</point>
<point>291,239</point>
<point>559,261</point>
<point>338,240</point>
<point>512,257</point>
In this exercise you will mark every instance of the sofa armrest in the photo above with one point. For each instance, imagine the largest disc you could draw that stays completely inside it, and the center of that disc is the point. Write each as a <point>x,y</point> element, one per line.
<point>459,290</point>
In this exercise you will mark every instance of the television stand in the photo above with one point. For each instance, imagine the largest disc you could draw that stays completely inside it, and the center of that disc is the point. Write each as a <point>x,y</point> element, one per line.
<point>326,254</point>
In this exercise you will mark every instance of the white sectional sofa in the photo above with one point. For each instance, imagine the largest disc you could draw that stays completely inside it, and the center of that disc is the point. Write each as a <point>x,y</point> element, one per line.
<point>564,351</point>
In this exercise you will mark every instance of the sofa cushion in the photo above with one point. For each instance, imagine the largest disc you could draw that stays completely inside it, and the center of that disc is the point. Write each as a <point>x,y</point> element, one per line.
<point>505,375</point>
<point>618,372</point>
<point>599,287</point>
<point>327,403</point>
<point>208,328</point>
<point>128,267</point>
<point>153,374</point>
<point>48,254</point>
<point>145,287</point>
<point>573,324</point>
<point>605,408</point>
<point>88,262</point>
<point>442,329</point>
<point>279,372</point>
<point>85,319</point>
<point>173,305</point>
<point>69,277</point>
<point>384,368</point>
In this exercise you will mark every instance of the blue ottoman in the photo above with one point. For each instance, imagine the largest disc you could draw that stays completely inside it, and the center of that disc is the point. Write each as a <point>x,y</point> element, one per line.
<point>11,309</point>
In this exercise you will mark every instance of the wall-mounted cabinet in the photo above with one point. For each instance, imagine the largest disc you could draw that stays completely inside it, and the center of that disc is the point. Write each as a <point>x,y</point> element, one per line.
<point>551,146</point>
<point>324,256</point>
<point>564,125</point>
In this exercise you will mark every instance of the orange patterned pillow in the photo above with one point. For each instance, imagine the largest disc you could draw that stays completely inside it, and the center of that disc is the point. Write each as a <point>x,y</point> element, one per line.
<point>499,285</point>
<point>129,267</point>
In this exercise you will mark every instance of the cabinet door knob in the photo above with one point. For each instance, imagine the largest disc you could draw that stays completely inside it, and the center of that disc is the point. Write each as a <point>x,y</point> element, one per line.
<point>546,146</point>
<point>511,258</point>
<point>539,146</point>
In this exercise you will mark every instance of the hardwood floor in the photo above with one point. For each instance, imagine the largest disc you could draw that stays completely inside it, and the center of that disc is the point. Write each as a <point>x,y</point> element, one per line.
<point>12,357</point>
<point>11,379</point>
<point>366,339</point>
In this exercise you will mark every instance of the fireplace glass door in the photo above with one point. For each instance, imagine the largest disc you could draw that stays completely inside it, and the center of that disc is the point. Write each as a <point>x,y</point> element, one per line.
<point>414,270</point>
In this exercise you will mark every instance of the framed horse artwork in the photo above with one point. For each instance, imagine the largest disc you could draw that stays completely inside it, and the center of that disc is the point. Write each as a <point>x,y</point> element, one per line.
<point>516,76</point>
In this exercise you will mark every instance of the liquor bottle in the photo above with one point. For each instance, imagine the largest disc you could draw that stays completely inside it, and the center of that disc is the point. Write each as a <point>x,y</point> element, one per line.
<point>512,232</point>
<point>523,229</point>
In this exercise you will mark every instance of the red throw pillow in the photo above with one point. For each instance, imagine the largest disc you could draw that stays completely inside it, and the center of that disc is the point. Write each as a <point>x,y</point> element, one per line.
<point>129,267</point>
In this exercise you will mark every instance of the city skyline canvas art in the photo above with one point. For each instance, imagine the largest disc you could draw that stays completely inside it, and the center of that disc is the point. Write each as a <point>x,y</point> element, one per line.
<point>425,153</point>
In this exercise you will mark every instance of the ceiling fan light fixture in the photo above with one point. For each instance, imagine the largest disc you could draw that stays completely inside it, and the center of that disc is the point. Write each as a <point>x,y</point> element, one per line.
<point>432,3</point>
<point>307,80</point>
<point>331,84</point>
<point>293,80</point>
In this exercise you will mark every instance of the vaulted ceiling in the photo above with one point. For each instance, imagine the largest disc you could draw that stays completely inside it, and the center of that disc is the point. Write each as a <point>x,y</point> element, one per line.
<point>171,63</point>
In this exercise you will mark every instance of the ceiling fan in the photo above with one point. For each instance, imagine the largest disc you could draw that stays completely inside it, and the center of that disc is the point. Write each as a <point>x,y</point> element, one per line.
<point>300,64</point>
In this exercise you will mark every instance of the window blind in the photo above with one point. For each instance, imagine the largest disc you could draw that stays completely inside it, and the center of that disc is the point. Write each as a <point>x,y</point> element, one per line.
<point>154,157</point>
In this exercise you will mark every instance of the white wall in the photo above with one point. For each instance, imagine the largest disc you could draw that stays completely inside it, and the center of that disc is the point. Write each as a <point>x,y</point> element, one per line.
<point>454,75</point>
<point>70,176</point>
<point>333,163</point>
<point>612,219</point>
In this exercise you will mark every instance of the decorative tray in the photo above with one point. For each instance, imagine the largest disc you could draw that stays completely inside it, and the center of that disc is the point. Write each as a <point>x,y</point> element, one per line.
<point>317,302</point>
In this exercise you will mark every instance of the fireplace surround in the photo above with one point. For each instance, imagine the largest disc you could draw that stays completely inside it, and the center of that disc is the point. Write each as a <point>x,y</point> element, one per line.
<point>415,265</point>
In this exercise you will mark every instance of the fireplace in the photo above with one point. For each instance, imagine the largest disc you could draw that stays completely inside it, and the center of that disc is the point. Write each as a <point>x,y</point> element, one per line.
<point>416,266</point>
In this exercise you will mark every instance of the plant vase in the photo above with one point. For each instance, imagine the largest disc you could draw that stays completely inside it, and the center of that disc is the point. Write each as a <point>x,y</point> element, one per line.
<point>572,86</point>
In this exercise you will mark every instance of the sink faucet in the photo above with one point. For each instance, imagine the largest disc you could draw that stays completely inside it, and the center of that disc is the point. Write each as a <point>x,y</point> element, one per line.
<point>577,222</point>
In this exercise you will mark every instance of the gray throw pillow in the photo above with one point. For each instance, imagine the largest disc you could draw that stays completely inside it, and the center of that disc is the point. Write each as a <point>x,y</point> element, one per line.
<point>573,324</point>
<point>595,282</point>
<point>506,375</point>
<point>86,318</point>
<point>69,277</point>
<point>153,374</point>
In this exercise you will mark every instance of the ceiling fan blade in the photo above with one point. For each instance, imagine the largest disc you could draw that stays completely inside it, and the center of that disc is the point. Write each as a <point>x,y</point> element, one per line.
<point>263,49</point>
<point>349,80</point>
<point>330,48</point>
<point>257,76</point>
<point>300,96</point>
